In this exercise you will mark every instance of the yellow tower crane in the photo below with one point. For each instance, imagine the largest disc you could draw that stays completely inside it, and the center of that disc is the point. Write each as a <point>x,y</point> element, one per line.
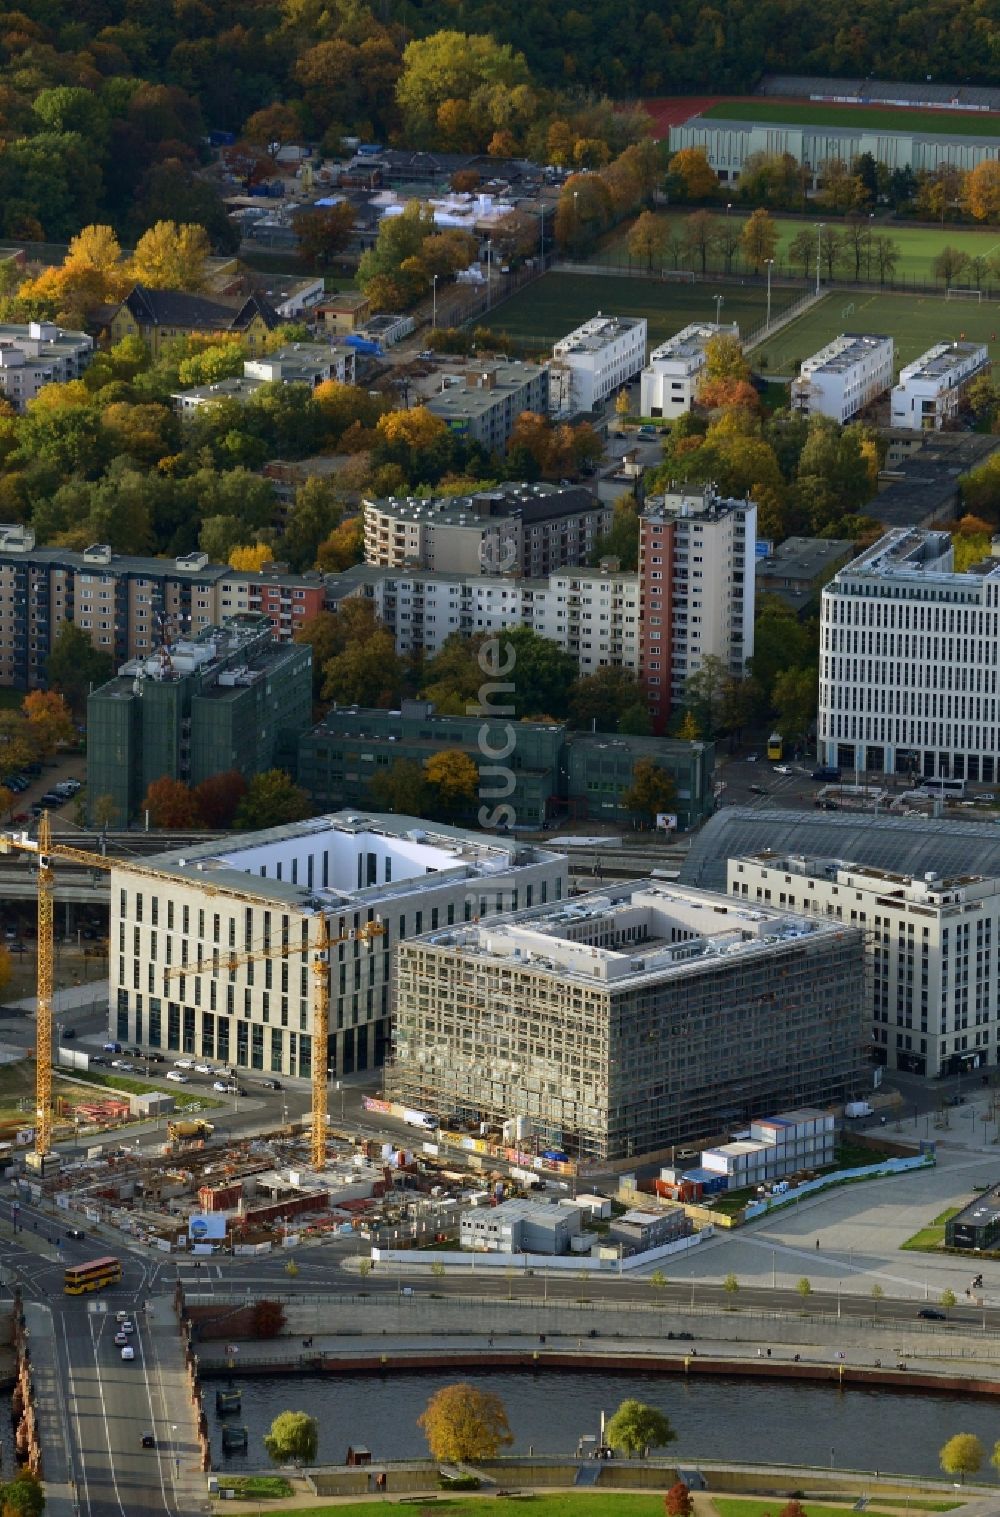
<point>45,851</point>
<point>319,951</point>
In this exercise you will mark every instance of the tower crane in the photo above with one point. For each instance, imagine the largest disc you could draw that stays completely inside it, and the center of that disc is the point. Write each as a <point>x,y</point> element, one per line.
<point>47,852</point>
<point>319,950</point>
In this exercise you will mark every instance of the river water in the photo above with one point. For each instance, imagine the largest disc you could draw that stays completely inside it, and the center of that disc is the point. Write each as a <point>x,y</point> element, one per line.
<point>714,1419</point>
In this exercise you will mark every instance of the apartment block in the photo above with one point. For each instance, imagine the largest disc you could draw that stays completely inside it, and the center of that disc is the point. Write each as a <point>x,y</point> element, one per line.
<point>38,354</point>
<point>696,589</point>
<point>932,945</point>
<point>129,604</point>
<point>841,379</point>
<point>930,390</point>
<point>909,652</point>
<point>544,772</point>
<point>530,529</point>
<point>301,363</point>
<point>231,698</point>
<point>190,909</point>
<point>594,361</point>
<point>483,405</point>
<point>629,1019</point>
<point>668,384</point>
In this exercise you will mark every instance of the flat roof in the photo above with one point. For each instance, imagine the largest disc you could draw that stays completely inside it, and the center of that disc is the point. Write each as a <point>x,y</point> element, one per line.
<point>843,352</point>
<point>804,557</point>
<point>845,134</point>
<point>593,335</point>
<point>409,856</point>
<point>942,359</point>
<point>690,341</point>
<point>980,1212</point>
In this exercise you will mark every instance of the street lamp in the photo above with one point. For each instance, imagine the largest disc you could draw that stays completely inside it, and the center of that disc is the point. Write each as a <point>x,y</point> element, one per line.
<point>489,273</point>
<point>871,233</point>
<point>719,303</point>
<point>434,297</point>
<point>770,265</point>
<point>819,249</point>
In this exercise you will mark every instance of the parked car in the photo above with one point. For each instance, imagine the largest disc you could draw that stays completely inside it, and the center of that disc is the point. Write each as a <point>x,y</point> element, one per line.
<point>272,1084</point>
<point>826,772</point>
<point>156,1058</point>
<point>183,1063</point>
<point>203,1069</point>
<point>68,1034</point>
<point>112,1047</point>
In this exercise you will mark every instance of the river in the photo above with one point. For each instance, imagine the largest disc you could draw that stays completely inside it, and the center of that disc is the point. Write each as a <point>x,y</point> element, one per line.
<point>714,1419</point>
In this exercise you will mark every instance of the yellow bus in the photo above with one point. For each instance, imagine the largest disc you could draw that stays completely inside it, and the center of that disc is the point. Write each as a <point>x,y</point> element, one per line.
<point>775,746</point>
<point>92,1276</point>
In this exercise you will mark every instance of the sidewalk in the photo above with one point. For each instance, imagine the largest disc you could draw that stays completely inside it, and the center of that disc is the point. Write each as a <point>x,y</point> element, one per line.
<point>51,1411</point>
<point>170,1383</point>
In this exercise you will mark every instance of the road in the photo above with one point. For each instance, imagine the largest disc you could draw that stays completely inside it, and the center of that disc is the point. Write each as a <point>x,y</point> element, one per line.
<point>103,1404</point>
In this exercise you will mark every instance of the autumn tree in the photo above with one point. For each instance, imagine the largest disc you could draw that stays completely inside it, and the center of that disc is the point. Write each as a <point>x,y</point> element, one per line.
<point>171,805</point>
<point>343,547</point>
<point>293,1438</point>
<point>692,174</point>
<point>401,788</point>
<point>217,798</point>
<point>49,719</point>
<point>251,557</point>
<point>652,790</point>
<point>981,191</point>
<point>452,68</point>
<point>759,239</point>
<point>792,1509</point>
<point>802,251</point>
<point>841,190</point>
<point>272,127</point>
<point>462,1423</point>
<point>171,257</point>
<point>647,239</point>
<point>962,1455</point>
<point>636,1427</point>
<point>701,236</point>
<point>365,674</point>
<point>453,776</point>
<point>323,231</point>
<point>272,799</point>
<point>678,1501</point>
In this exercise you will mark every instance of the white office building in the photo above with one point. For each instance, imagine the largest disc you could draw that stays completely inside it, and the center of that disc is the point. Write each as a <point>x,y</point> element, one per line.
<point>930,390</point>
<point>218,907</point>
<point>841,379</point>
<point>669,382</point>
<point>594,361</point>
<point>932,945</point>
<point>39,354</point>
<point>909,654</point>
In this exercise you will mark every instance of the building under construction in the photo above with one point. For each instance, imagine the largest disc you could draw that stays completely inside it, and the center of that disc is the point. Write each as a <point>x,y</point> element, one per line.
<point>215,948</point>
<point>627,1020</point>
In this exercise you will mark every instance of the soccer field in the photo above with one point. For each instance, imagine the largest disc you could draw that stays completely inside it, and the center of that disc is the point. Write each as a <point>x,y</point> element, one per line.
<point>874,118</point>
<point>914,322</point>
<point>551,307</point>
<point>918,246</point>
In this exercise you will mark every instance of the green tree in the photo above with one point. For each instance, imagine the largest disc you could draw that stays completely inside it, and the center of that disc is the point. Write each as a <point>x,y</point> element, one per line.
<point>23,1496</point>
<point>658,1280</point>
<point>962,1455</point>
<point>731,1285</point>
<point>293,1439</point>
<point>636,1427</point>
<point>598,701</point>
<point>878,1294</point>
<point>652,790</point>
<point>949,263</point>
<point>401,788</point>
<point>802,251</point>
<point>794,697</point>
<point>804,1288</point>
<point>272,800</point>
<point>74,665</point>
<point>704,692</point>
<point>463,1423</point>
<point>365,674</point>
<point>948,1299</point>
<point>448,67</point>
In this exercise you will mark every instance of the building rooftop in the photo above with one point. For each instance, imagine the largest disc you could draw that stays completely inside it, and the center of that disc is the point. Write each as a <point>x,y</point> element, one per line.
<point>522,1209</point>
<point>703,506</point>
<point>41,339</point>
<point>804,559</point>
<point>842,353</point>
<point>690,342</point>
<point>631,935</point>
<point>356,861</point>
<point>981,1211</point>
<point>912,556</point>
<point>929,889</point>
<point>300,363</point>
<point>908,846</point>
<point>845,134</point>
<point>531,501</point>
<point>595,334</point>
<point>478,391</point>
<point>941,359</point>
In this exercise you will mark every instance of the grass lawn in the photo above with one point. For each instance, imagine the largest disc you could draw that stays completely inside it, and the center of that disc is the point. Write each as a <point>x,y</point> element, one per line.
<point>256,1487</point>
<point>736,1506</point>
<point>878,118</point>
<point>918,246</point>
<point>561,1504</point>
<point>914,321</point>
<point>553,305</point>
<point>928,1239</point>
<point>182,1098</point>
<point>17,1085</point>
